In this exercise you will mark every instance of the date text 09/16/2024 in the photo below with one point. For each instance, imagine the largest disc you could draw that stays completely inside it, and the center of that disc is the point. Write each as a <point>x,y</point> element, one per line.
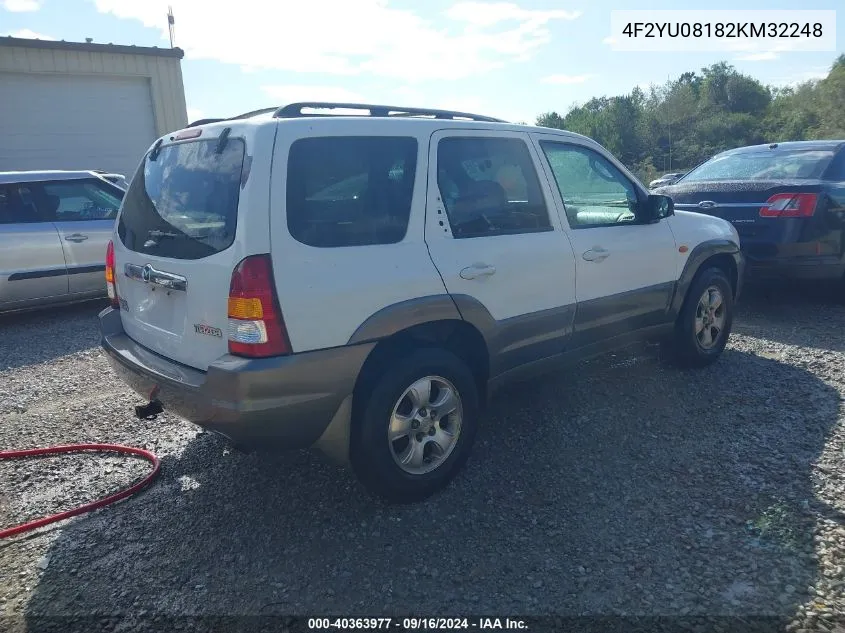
<point>416,624</point>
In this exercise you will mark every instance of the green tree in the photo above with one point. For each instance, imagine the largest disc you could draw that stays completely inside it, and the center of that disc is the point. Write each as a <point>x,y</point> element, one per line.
<point>550,119</point>
<point>831,102</point>
<point>687,120</point>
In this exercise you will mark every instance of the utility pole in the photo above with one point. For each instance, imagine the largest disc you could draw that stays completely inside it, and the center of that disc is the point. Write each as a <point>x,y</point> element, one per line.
<point>669,121</point>
<point>171,21</point>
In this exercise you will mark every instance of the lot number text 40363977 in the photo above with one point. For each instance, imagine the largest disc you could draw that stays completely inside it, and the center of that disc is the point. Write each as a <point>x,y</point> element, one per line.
<point>417,624</point>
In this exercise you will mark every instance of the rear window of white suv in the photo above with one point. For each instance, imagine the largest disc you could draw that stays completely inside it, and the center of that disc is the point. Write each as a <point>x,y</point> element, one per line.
<point>183,202</point>
<point>350,190</point>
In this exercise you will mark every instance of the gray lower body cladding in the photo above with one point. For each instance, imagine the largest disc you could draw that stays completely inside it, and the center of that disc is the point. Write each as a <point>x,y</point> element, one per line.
<point>304,399</point>
<point>286,401</point>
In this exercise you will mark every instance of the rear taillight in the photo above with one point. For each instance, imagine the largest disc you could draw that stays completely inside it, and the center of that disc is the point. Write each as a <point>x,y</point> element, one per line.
<point>111,283</point>
<point>789,205</point>
<point>256,327</point>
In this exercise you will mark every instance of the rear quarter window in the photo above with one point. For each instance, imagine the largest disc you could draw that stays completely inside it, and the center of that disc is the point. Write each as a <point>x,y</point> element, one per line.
<point>350,191</point>
<point>184,203</point>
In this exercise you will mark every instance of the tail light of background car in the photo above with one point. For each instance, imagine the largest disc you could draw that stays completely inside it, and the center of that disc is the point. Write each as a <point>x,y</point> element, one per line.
<point>256,327</point>
<point>789,205</point>
<point>111,282</point>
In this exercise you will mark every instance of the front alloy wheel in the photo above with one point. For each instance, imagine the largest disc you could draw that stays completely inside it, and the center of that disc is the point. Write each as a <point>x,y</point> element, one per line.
<point>710,318</point>
<point>704,322</point>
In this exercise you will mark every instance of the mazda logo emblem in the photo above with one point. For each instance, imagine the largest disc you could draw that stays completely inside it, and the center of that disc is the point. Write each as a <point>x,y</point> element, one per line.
<point>706,204</point>
<point>146,272</point>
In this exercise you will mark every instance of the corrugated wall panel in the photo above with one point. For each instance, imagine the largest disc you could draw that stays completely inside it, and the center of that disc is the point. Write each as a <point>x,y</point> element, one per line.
<point>164,75</point>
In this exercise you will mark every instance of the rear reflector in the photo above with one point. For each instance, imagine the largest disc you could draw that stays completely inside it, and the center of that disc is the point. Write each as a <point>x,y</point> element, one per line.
<point>790,205</point>
<point>256,327</point>
<point>111,283</point>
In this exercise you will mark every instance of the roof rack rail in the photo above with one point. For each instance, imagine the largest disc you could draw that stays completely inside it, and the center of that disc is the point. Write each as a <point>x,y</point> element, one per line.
<point>294,110</point>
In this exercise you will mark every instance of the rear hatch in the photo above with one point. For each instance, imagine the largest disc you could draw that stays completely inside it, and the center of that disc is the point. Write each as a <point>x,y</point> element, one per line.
<point>179,236</point>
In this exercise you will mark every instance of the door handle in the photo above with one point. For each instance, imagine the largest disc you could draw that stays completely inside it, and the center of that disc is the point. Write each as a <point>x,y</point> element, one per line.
<point>478,270</point>
<point>76,237</point>
<point>596,254</point>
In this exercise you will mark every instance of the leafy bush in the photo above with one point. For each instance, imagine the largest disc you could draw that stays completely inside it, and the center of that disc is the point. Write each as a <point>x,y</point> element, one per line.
<point>689,119</point>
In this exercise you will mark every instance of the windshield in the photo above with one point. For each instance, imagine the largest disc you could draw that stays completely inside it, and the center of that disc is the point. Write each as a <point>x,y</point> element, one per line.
<point>763,165</point>
<point>184,204</point>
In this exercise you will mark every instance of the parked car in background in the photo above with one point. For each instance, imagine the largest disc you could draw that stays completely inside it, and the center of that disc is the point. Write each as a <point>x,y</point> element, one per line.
<point>54,229</point>
<point>115,179</point>
<point>665,179</point>
<point>786,201</point>
<point>447,254</point>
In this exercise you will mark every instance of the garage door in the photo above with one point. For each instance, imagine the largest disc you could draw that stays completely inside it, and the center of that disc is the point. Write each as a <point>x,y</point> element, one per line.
<point>52,121</point>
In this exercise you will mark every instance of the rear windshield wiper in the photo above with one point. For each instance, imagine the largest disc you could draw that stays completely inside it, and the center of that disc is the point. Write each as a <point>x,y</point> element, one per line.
<point>157,233</point>
<point>154,237</point>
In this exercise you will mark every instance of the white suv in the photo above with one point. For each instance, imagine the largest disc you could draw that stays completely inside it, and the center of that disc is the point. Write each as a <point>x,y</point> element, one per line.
<point>298,277</point>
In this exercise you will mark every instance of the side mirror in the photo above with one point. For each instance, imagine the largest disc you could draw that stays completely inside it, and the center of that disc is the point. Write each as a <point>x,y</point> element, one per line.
<point>656,207</point>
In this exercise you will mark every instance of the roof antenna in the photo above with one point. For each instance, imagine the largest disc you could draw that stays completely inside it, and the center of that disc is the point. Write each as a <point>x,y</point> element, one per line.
<point>171,22</point>
<point>669,120</point>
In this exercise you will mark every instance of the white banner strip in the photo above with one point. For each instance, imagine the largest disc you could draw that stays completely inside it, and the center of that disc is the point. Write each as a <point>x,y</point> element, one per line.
<point>768,31</point>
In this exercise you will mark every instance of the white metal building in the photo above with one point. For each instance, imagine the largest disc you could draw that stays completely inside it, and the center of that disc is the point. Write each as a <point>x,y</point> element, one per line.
<point>75,105</point>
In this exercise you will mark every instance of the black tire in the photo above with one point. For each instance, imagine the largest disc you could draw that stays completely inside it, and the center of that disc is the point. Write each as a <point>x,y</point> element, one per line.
<point>370,450</point>
<point>685,347</point>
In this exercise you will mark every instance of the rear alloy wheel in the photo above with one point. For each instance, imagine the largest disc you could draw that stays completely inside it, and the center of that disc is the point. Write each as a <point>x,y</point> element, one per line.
<point>704,323</point>
<point>425,425</point>
<point>414,430</point>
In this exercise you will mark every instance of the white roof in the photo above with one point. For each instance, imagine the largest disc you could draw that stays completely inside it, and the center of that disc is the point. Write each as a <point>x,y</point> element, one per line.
<point>398,124</point>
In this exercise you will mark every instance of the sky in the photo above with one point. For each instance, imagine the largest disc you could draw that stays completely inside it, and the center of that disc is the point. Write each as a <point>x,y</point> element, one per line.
<point>509,59</point>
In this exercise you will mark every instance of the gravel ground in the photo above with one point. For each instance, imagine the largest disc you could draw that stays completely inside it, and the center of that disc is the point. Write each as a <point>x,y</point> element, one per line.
<point>624,488</point>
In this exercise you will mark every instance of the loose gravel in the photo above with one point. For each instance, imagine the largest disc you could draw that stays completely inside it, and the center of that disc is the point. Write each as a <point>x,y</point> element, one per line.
<point>627,487</point>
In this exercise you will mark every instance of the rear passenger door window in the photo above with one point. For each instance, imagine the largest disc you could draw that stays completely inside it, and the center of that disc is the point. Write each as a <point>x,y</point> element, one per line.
<point>489,187</point>
<point>79,200</point>
<point>351,190</point>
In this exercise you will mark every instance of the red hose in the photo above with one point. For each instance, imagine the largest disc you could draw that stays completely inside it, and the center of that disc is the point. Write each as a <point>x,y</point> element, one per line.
<point>88,507</point>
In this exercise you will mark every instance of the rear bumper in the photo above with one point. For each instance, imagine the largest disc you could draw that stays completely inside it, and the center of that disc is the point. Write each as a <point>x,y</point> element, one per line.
<point>795,268</point>
<point>291,401</point>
